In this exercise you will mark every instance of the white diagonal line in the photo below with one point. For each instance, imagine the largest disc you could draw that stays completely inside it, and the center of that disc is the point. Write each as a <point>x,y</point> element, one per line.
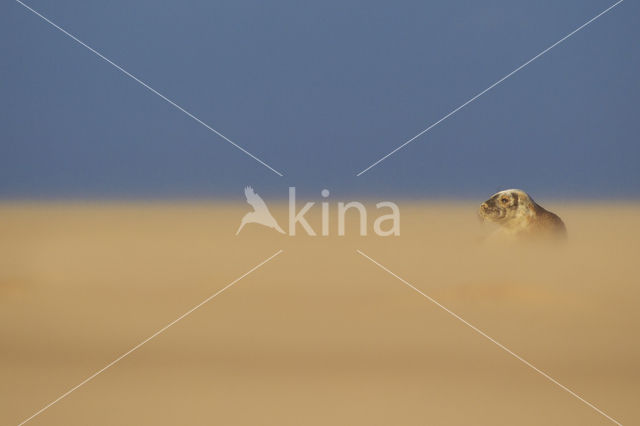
<point>482,333</point>
<point>163,329</point>
<point>128,74</point>
<point>490,87</point>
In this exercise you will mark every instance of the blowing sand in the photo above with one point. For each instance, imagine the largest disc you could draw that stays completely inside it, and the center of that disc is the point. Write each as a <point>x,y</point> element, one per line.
<point>320,335</point>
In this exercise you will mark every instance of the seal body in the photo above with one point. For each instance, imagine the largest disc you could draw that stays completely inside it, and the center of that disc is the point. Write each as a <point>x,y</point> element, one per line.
<point>521,217</point>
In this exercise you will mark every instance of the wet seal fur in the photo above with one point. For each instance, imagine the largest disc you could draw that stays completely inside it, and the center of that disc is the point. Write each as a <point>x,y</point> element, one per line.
<point>520,217</point>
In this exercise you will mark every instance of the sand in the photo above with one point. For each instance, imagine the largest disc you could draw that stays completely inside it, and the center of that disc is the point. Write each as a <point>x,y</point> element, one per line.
<point>319,335</point>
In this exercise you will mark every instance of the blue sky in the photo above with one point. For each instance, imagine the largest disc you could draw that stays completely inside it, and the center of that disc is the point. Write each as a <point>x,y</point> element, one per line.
<point>319,90</point>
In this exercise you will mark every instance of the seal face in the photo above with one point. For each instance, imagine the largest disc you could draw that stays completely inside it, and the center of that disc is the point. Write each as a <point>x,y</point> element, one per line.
<point>516,212</point>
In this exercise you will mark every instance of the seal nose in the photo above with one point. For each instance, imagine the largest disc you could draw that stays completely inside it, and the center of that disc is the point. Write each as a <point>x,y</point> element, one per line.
<point>484,206</point>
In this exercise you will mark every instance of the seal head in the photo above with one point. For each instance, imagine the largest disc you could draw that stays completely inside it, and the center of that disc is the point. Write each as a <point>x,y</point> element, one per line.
<point>517,214</point>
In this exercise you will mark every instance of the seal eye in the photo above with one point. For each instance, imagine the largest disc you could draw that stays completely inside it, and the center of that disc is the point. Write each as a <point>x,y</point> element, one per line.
<point>504,200</point>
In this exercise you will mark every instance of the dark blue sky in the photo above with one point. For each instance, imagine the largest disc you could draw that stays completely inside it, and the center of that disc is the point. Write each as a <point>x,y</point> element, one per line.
<point>319,90</point>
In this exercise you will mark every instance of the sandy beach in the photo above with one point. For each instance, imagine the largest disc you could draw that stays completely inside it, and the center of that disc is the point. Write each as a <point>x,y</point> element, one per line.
<point>319,335</point>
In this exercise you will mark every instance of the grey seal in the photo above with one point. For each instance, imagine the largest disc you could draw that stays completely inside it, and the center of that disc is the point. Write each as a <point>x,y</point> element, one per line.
<point>521,217</point>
